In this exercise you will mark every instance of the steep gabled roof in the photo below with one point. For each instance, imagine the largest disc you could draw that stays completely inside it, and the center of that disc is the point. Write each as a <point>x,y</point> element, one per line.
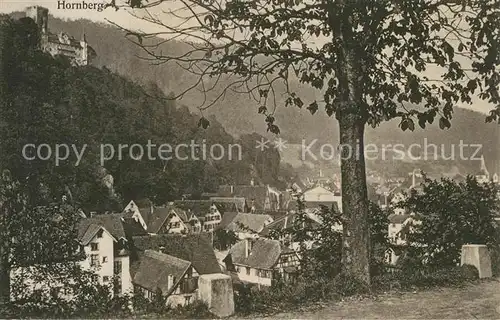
<point>153,268</point>
<point>133,228</point>
<point>287,222</point>
<point>195,248</point>
<point>246,222</point>
<point>89,234</point>
<point>227,218</point>
<point>253,194</point>
<point>160,215</point>
<point>264,253</point>
<point>113,224</point>
<point>317,205</point>
<point>197,207</point>
<point>228,204</point>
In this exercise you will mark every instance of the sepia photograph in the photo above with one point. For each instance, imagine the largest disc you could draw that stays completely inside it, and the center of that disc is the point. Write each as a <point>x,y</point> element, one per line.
<point>250,159</point>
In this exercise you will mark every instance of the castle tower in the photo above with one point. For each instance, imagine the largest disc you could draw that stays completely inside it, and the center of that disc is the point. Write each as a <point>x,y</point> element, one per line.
<point>85,50</point>
<point>483,166</point>
<point>41,16</point>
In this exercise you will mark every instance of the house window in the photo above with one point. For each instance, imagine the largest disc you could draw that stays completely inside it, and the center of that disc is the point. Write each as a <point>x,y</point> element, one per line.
<point>94,260</point>
<point>248,270</point>
<point>94,247</point>
<point>95,278</point>
<point>105,279</point>
<point>99,233</point>
<point>238,269</point>
<point>175,225</point>
<point>117,267</point>
<point>265,274</point>
<point>104,259</point>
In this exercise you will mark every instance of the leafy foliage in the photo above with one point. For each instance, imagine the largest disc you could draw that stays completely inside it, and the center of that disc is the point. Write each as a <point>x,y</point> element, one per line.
<point>391,47</point>
<point>224,239</point>
<point>320,243</point>
<point>426,278</point>
<point>452,214</point>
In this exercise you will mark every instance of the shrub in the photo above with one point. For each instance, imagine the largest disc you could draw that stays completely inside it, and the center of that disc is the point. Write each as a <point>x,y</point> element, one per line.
<point>451,214</point>
<point>426,278</point>
<point>283,296</point>
<point>348,285</point>
<point>195,310</point>
<point>495,259</point>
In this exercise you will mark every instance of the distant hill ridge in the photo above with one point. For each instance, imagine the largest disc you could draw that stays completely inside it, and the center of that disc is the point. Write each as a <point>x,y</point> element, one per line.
<point>239,115</point>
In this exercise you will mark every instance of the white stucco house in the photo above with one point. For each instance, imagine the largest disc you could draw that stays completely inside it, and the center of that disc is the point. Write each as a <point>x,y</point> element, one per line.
<point>104,240</point>
<point>320,194</point>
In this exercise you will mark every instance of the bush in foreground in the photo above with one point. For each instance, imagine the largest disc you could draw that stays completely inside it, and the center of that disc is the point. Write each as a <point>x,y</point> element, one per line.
<point>426,279</point>
<point>283,296</point>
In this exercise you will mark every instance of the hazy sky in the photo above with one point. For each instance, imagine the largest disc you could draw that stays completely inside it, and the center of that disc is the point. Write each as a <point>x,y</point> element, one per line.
<point>123,18</point>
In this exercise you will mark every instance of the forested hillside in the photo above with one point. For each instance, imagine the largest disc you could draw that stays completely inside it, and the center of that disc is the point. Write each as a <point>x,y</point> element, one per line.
<point>238,114</point>
<point>47,101</point>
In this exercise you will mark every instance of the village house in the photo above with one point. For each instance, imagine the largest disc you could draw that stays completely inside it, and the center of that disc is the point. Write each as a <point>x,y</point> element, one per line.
<point>319,194</point>
<point>203,211</point>
<point>139,210</point>
<point>105,240</point>
<point>230,204</point>
<point>173,263</point>
<point>158,273</point>
<point>400,225</point>
<point>257,197</point>
<point>262,261</point>
<point>165,219</point>
<point>287,223</point>
<point>297,186</point>
<point>329,182</point>
<point>245,225</point>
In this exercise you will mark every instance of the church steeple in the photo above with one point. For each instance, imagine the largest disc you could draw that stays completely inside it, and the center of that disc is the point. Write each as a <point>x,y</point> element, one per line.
<point>483,166</point>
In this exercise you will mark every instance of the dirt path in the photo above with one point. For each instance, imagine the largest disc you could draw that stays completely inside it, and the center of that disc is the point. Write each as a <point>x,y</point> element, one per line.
<point>480,301</point>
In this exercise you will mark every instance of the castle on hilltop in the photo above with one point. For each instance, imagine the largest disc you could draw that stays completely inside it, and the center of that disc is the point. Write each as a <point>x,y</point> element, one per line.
<point>80,53</point>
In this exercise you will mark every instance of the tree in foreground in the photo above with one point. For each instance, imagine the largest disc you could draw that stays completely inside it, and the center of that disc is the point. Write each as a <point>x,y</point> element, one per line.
<point>452,214</point>
<point>368,60</point>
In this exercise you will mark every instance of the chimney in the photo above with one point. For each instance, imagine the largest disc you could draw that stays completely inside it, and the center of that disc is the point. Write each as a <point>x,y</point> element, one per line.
<point>252,182</point>
<point>170,281</point>
<point>232,189</point>
<point>248,247</point>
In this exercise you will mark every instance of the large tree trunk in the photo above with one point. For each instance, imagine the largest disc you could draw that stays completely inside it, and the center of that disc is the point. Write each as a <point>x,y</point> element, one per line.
<point>352,114</point>
<point>356,242</point>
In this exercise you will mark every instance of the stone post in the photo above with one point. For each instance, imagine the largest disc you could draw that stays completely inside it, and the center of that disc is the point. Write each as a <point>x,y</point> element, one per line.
<point>216,291</point>
<point>478,256</point>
